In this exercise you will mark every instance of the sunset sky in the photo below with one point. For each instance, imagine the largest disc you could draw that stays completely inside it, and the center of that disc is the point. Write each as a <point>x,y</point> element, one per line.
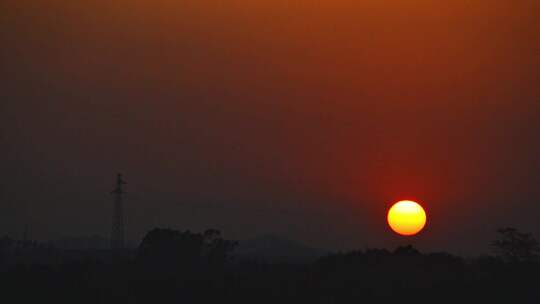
<point>305,119</point>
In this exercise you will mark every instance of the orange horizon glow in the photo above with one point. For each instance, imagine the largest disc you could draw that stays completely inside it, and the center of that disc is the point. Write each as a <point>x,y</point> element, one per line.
<point>407,218</point>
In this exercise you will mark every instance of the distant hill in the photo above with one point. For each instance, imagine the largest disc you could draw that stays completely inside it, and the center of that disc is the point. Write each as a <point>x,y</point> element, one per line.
<point>93,242</point>
<point>275,249</point>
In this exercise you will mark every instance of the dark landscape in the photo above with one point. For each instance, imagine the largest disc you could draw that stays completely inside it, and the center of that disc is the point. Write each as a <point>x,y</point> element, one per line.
<point>184,267</point>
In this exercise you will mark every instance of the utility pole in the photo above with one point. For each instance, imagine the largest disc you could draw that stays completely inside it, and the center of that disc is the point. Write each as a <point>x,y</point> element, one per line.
<point>117,231</point>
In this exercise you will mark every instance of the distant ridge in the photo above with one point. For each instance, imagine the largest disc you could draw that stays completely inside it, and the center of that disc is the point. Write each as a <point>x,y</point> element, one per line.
<point>90,242</point>
<point>272,248</point>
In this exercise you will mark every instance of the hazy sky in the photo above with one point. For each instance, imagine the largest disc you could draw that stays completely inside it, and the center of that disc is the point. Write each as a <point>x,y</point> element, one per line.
<point>304,119</point>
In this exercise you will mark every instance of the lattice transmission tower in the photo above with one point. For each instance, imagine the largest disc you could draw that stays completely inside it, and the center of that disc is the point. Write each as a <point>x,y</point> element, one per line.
<point>117,231</point>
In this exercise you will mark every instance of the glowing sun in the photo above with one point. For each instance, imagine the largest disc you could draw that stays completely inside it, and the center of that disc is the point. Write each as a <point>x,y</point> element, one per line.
<point>407,218</point>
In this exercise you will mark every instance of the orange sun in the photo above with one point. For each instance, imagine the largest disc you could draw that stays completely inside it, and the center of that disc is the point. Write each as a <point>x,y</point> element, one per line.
<point>407,218</point>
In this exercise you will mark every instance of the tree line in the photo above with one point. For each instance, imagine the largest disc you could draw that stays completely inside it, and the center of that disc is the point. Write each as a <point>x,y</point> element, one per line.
<point>171,266</point>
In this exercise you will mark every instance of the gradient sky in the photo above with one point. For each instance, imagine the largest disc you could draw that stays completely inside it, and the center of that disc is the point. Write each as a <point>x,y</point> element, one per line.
<point>304,119</point>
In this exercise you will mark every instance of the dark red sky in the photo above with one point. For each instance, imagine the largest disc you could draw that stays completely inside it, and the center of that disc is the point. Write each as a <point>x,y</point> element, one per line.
<point>302,118</point>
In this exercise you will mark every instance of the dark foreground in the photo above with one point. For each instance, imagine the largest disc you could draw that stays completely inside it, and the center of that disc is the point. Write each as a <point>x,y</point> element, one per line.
<point>174,267</point>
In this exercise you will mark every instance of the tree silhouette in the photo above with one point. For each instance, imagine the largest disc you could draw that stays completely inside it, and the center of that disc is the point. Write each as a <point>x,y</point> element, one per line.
<point>515,246</point>
<point>169,250</point>
<point>408,250</point>
<point>216,249</point>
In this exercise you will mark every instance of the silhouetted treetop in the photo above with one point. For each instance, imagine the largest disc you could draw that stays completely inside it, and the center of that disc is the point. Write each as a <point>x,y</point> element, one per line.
<point>515,246</point>
<point>408,250</point>
<point>173,249</point>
